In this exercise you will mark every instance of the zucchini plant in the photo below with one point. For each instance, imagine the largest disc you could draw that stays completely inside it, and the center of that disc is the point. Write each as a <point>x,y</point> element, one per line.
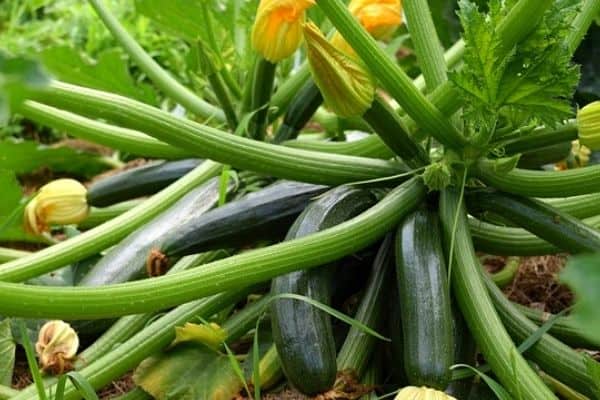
<point>436,177</point>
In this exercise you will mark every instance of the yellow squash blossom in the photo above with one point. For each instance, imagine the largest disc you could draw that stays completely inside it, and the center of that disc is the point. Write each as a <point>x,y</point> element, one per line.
<point>379,17</point>
<point>588,121</point>
<point>277,31</point>
<point>344,82</point>
<point>422,393</point>
<point>62,202</point>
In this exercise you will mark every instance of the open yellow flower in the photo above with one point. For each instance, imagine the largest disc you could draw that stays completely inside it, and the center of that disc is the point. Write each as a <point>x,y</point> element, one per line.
<point>422,393</point>
<point>61,202</point>
<point>277,31</point>
<point>379,17</point>
<point>344,81</point>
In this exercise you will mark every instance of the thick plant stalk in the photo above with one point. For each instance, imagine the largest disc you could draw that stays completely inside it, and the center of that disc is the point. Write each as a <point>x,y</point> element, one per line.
<point>262,88</point>
<point>393,79</point>
<point>589,11</point>
<point>7,254</point>
<point>554,357</point>
<point>98,216</point>
<point>540,137</point>
<point>101,237</point>
<point>532,183</point>
<point>430,52</point>
<point>248,268</point>
<point>510,367</point>
<point>217,145</point>
<point>160,77</point>
<point>117,138</point>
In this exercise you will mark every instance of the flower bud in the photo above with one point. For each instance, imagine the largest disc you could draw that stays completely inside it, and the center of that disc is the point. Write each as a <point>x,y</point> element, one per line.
<point>437,176</point>
<point>588,120</point>
<point>380,18</point>
<point>422,393</point>
<point>344,81</point>
<point>62,202</point>
<point>277,31</point>
<point>56,347</point>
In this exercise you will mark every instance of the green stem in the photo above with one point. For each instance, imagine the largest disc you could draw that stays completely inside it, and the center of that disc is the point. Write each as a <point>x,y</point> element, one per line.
<point>217,145</point>
<point>474,301</point>
<point>565,329</point>
<point>262,88</point>
<point>117,138</point>
<point>7,254</point>
<point>428,48</point>
<point>554,357</point>
<point>286,93</point>
<point>506,275</point>
<point>98,239</point>
<point>151,339</point>
<point>98,216</point>
<point>216,83</point>
<point>388,125</point>
<point>392,77</point>
<point>160,77</point>
<point>532,183</point>
<point>234,272</point>
<point>540,137</point>
<point>589,11</point>
<point>358,347</point>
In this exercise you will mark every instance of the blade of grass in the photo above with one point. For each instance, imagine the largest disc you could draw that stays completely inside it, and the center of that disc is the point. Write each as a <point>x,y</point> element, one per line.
<point>32,361</point>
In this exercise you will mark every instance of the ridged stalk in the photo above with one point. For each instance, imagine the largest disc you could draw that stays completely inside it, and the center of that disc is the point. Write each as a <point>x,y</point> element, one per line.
<point>248,268</point>
<point>217,145</point>
<point>117,138</point>
<point>588,12</point>
<point>7,254</point>
<point>554,357</point>
<point>470,291</point>
<point>101,237</point>
<point>540,137</point>
<point>393,79</point>
<point>532,183</point>
<point>160,77</point>
<point>100,215</point>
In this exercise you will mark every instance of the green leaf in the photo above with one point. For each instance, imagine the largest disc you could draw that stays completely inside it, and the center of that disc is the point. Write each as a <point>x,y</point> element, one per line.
<point>498,390</point>
<point>189,372</point>
<point>18,76</point>
<point>11,192</point>
<point>23,157</point>
<point>82,385</point>
<point>535,80</point>
<point>583,276</point>
<point>7,353</point>
<point>109,73</point>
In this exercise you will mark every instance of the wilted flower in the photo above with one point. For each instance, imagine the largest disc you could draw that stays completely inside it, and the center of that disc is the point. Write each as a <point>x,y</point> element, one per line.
<point>588,120</point>
<point>379,17</point>
<point>277,31</point>
<point>56,346</point>
<point>344,82</point>
<point>422,393</point>
<point>62,202</point>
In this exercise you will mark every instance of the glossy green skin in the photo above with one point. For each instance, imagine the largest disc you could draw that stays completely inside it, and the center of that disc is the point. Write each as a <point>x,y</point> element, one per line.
<point>424,301</point>
<point>137,182</point>
<point>248,219</point>
<point>127,260</point>
<point>302,333</point>
<point>543,220</point>
<point>301,109</point>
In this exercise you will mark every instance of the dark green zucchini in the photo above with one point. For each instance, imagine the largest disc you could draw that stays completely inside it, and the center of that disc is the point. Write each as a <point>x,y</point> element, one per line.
<point>546,155</point>
<point>302,333</point>
<point>538,218</point>
<point>301,109</point>
<point>243,221</point>
<point>394,351</point>
<point>424,301</point>
<point>127,260</point>
<point>137,182</point>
